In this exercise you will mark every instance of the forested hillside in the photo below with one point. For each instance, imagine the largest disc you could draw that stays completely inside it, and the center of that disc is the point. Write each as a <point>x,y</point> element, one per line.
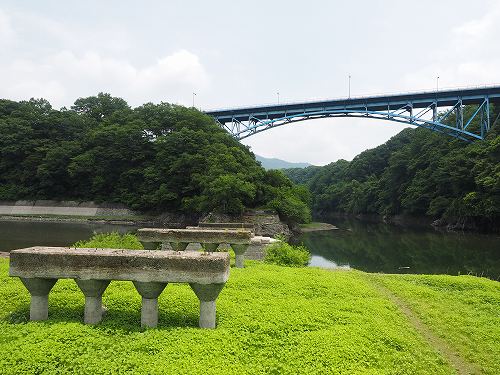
<point>152,158</point>
<point>417,172</point>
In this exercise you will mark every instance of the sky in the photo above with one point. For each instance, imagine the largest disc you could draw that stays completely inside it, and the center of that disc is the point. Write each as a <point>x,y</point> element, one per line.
<point>234,54</point>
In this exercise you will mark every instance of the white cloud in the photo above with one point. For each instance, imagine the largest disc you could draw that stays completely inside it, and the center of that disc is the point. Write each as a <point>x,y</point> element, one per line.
<point>69,64</point>
<point>480,28</point>
<point>6,30</point>
<point>65,76</point>
<point>468,58</point>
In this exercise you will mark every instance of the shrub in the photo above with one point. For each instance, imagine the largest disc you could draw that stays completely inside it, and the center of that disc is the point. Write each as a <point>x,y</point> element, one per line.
<point>284,254</point>
<point>112,241</point>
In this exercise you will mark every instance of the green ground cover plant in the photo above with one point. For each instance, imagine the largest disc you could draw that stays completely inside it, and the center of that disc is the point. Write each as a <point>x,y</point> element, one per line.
<point>270,319</point>
<point>464,311</point>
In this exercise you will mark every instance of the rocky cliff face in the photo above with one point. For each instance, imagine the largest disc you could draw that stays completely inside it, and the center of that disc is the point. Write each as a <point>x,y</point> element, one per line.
<point>266,222</point>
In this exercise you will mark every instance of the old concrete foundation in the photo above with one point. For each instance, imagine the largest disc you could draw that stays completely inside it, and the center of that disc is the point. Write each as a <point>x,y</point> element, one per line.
<point>210,247</point>
<point>209,238</point>
<point>179,246</point>
<point>92,269</point>
<point>239,252</point>
<point>93,291</point>
<point>150,291</point>
<point>39,290</point>
<point>207,294</point>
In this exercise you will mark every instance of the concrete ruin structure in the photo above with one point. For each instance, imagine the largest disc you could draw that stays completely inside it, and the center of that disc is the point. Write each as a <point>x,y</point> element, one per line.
<point>247,226</point>
<point>39,268</point>
<point>210,239</point>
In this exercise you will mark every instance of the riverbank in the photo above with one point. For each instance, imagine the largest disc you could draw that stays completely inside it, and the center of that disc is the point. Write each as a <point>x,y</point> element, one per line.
<point>450,225</point>
<point>115,220</point>
<point>271,319</point>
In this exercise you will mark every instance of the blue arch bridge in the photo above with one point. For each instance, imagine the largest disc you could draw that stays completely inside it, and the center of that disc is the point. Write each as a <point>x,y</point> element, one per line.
<point>441,111</point>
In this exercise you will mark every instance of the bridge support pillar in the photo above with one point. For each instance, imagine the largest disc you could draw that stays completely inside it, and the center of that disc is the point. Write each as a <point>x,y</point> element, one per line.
<point>459,112</point>
<point>210,247</point>
<point>239,251</point>
<point>39,290</point>
<point>179,246</point>
<point>207,294</point>
<point>149,291</point>
<point>93,291</point>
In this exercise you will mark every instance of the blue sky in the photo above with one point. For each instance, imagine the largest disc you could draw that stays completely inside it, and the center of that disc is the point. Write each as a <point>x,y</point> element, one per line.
<point>240,53</point>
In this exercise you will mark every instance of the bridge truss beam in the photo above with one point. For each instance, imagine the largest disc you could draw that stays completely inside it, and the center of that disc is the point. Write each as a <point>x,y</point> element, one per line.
<point>413,110</point>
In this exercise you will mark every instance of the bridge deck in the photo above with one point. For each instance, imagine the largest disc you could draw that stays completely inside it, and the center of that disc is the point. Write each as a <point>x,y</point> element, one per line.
<point>444,98</point>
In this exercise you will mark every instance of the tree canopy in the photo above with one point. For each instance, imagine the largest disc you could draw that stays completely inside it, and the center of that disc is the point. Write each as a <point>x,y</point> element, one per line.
<point>156,157</point>
<point>417,172</point>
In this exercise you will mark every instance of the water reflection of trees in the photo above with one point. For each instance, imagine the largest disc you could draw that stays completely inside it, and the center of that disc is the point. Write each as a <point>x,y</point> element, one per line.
<point>384,248</point>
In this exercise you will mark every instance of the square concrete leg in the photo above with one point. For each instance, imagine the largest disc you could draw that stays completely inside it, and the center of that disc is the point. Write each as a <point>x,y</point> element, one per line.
<point>207,294</point>
<point>239,252</point>
<point>39,290</point>
<point>93,290</point>
<point>150,292</point>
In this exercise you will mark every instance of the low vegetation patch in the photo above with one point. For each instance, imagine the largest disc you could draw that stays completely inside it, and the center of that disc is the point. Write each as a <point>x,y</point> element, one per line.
<point>270,319</point>
<point>464,311</point>
<point>112,240</point>
<point>284,254</point>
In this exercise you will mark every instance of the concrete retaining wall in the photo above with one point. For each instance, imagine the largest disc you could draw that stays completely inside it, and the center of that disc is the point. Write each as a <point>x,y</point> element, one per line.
<point>69,208</point>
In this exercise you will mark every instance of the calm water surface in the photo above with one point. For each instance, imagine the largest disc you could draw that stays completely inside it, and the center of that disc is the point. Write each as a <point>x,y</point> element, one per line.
<point>390,249</point>
<point>19,234</point>
<point>364,246</point>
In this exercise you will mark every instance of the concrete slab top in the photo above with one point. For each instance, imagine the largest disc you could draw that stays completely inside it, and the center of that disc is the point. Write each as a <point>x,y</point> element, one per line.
<point>120,264</point>
<point>199,235</point>
<point>227,225</point>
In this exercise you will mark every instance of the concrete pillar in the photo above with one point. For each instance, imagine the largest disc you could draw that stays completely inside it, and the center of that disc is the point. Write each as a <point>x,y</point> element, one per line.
<point>149,292</point>
<point>210,247</point>
<point>39,290</point>
<point>93,290</point>
<point>239,251</point>
<point>179,246</point>
<point>207,294</point>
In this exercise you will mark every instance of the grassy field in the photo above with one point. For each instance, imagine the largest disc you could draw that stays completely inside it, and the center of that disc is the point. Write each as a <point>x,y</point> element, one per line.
<point>271,319</point>
<point>464,311</point>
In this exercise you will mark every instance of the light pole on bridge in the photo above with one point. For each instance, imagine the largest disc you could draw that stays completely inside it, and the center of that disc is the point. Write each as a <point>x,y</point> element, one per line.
<point>349,86</point>
<point>437,83</point>
<point>278,93</point>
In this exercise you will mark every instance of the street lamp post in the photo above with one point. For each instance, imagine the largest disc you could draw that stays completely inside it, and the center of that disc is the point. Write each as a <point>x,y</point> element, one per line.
<point>278,93</point>
<point>349,86</point>
<point>194,94</point>
<point>437,83</point>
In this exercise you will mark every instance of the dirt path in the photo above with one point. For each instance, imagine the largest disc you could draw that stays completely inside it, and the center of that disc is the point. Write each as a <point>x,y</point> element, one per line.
<point>460,364</point>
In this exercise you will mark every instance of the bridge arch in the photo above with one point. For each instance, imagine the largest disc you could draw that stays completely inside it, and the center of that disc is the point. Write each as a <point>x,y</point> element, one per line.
<point>416,109</point>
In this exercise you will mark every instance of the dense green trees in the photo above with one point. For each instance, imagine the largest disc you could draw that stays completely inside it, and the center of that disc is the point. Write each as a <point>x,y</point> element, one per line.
<point>153,158</point>
<point>417,172</point>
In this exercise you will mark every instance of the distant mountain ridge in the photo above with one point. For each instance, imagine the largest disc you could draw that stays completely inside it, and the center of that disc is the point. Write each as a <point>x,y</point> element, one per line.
<point>273,163</point>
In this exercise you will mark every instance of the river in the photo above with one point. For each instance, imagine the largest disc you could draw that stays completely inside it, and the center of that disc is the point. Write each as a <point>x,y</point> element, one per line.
<point>378,247</point>
<point>365,246</point>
